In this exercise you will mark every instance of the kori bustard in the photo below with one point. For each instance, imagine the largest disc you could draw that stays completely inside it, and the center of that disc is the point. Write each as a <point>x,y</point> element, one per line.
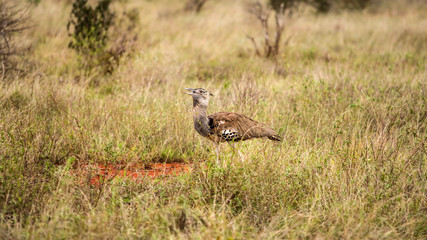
<point>225,126</point>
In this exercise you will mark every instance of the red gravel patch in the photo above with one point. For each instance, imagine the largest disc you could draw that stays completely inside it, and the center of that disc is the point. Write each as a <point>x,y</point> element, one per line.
<point>99,173</point>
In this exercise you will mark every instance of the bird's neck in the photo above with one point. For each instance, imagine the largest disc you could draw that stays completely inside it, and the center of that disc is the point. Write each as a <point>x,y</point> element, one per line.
<point>200,111</point>
<point>201,122</point>
<point>200,108</point>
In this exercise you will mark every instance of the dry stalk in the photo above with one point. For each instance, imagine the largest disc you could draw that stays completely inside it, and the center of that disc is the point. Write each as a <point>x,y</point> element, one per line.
<point>271,45</point>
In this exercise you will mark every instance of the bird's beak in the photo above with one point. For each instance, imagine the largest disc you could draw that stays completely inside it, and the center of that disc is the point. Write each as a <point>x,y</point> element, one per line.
<point>190,91</point>
<point>211,94</point>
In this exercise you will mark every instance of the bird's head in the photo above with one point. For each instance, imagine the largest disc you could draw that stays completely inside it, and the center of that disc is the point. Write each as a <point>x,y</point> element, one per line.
<point>200,95</point>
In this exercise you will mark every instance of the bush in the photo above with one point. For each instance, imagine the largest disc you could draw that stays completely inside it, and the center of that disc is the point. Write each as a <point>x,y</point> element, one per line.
<point>90,31</point>
<point>12,22</point>
<point>90,26</point>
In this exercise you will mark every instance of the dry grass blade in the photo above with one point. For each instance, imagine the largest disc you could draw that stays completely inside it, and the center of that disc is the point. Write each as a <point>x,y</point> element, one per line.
<point>350,105</point>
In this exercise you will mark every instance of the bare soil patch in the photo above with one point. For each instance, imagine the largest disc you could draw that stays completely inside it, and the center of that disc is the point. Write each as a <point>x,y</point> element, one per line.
<point>98,173</point>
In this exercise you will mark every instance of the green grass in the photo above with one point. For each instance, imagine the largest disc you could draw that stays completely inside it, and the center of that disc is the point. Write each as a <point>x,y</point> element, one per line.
<point>348,96</point>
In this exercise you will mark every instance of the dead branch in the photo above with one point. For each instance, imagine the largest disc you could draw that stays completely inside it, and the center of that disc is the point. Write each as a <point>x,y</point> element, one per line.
<point>271,47</point>
<point>12,22</point>
<point>258,53</point>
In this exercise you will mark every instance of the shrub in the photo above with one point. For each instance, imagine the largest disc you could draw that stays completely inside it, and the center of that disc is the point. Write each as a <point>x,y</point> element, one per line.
<point>90,26</point>
<point>89,31</point>
<point>99,35</point>
<point>12,22</point>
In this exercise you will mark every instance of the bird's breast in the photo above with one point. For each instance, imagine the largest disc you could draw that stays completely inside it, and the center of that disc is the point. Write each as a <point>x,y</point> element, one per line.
<point>201,126</point>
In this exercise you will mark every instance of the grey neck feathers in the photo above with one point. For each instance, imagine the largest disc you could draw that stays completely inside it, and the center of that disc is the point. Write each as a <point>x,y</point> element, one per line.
<point>201,121</point>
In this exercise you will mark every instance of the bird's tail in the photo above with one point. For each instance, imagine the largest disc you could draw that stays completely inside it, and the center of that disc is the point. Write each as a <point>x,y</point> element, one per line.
<point>275,138</point>
<point>271,134</point>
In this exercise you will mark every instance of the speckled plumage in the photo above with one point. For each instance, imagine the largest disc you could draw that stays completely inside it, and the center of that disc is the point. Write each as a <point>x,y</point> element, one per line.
<point>225,126</point>
<point>237,127</point>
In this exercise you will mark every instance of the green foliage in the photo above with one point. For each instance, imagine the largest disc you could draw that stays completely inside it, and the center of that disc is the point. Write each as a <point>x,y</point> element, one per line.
<point>88,28</point>
<point>100,36</point>
<point>351,107</point>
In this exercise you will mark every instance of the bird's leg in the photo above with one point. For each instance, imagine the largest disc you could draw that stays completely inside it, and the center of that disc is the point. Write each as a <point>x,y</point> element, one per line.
<point>217,153</point>
<point>242,157</point>
<point>235,149</point>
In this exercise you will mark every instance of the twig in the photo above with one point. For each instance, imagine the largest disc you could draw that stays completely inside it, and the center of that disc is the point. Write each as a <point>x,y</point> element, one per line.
<point>271,48</point>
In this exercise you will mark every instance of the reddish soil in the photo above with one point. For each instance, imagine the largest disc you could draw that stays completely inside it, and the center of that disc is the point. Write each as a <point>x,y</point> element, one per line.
<point>99,173</point>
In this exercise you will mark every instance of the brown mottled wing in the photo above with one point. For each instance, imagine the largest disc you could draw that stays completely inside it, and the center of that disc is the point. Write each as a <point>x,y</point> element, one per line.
<point>236,127</point>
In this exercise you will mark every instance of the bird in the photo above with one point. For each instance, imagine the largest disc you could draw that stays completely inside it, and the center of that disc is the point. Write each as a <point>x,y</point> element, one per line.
<point>225,126</point>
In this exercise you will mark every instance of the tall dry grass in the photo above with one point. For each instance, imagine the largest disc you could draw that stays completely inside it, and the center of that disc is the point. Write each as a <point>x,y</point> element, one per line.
<point>348,95</point>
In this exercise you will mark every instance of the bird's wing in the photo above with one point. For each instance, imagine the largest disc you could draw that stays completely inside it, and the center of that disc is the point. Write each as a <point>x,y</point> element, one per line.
<point>236,127</point>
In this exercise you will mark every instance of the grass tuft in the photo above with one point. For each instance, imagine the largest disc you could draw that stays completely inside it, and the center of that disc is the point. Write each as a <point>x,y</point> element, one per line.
<point>347,97</point>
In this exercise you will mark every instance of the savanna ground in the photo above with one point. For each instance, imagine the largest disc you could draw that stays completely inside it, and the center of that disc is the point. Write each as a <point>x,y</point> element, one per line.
<point>347,94</point>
